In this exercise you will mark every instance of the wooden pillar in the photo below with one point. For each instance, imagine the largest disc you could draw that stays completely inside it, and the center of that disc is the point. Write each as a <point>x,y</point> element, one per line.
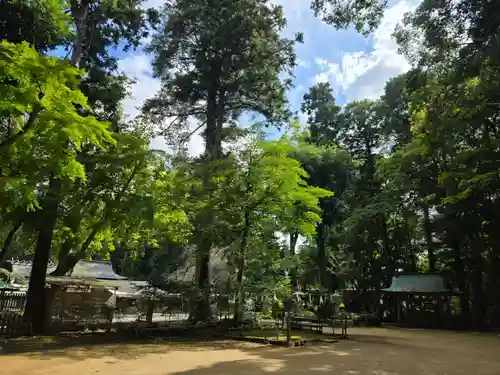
<point>398,309</point>
<point>3,300</point>
<point>439,308</point>
<point>150,311</point>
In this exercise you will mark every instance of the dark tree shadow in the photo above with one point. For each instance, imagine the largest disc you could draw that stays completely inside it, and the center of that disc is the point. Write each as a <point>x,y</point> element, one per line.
<point>375,352</point>
<point>84,346</point>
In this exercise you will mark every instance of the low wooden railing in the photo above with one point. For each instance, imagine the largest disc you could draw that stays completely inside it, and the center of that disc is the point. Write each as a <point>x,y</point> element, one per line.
<point>317,325</point>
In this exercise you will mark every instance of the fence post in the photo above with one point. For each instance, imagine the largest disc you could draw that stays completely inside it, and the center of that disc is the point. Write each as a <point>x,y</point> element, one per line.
<point>2,299</point>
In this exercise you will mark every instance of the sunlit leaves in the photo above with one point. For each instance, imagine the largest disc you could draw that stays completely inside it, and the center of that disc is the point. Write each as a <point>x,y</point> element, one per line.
<point>41,112</point>
<point>364,15</point>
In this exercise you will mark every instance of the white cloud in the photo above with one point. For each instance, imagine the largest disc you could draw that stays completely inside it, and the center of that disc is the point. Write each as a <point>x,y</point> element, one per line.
<point>303,64</point>
<point>363,74</point>
<point>138,68</point>
<point>321,61</point>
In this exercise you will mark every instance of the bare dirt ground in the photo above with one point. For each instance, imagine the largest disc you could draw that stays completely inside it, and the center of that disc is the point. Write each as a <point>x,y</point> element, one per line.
<point>369,351</point>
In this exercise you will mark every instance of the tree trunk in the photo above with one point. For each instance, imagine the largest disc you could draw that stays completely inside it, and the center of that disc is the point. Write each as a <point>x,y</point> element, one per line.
<point>150,310</point>
<point>321,245</point>
<point>387,249</point>
<point>66,262</point>
<point>288,328</point>
<point>241,269</point>
<point>8,240</point>
<point>200,310</point>
<point>36,304</point>
<point>428,238</point>
<point>461,276</point>
<point>238,303</point>
<point>478,300</point>
<point>411,259</point>
<point>294,236</point>
<point>213,151</point>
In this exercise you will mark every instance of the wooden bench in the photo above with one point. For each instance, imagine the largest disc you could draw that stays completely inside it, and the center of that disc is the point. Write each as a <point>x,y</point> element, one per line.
<point>316,325</point>
<point>312,324</point>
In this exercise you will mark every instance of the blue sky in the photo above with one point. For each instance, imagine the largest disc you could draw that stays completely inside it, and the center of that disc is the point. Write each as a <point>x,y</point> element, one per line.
<point>356,66</point>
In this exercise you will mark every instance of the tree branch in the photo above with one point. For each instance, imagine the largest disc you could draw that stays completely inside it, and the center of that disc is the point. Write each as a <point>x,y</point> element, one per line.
<point>37,108</point>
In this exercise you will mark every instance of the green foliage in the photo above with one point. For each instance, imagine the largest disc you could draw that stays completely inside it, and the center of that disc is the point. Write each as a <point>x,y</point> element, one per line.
<point>211,85</point>
<point>38,104</point>
<point>364,15</point>
<point>415,172</point>
<point>42,23</point>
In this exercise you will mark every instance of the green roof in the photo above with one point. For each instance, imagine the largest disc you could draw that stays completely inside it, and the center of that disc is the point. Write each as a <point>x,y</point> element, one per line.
<point>6,286</point>
<point>423,283</point>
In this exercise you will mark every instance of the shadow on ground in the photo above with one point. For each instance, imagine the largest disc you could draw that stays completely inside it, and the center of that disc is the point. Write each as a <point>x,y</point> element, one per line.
<point>369,351</point>
<point>85,346</point>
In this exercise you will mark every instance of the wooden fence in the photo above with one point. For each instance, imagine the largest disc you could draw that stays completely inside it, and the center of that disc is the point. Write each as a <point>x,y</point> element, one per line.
<point>75,310</point>
<point>11,313</point>
<point>12,301</point>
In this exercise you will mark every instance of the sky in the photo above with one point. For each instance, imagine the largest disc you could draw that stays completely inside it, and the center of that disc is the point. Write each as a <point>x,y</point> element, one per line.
<point>357,67</point>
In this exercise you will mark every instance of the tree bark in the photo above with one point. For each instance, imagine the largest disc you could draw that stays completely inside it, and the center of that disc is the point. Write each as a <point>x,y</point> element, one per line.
<point>241,269</point>
<point>387,248</point>
<point>36,304</point>
<point>321,245</point>
<point>294,236</point>
<point>478,297</point>
<point>428,238</point>
<point>8,240</point>
<point>461,276</point>
<point>213,152</point>
<point>201,307</point>
<point>64,259</point>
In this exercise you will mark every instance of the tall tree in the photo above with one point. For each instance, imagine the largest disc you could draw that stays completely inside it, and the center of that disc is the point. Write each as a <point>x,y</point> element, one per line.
<point>40,107</point>
<point>98,25</point>
<point>265,186</point>
<point>217,59</point>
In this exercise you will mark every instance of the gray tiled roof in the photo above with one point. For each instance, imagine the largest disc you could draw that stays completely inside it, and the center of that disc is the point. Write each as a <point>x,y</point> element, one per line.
<point>96,270</point>
<point>423,283</point>
<point>87,269</point>
<point>23,269</point>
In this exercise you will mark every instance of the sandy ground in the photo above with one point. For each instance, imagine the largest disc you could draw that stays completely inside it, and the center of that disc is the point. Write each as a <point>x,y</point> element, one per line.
<point>369,351</point>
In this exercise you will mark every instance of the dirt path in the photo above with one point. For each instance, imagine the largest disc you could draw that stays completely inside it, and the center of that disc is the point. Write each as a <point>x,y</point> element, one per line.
<point>369,351</point>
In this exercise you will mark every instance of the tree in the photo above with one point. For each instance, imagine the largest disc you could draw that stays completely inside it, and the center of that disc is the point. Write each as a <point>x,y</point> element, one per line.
<point>455,123</point>
<point>42,23</point>
<point>321,109</point>
<point>39,96</point>
<point>98,25</point>
<point>39,108</point>
<point>216,60</point>
<point>365,15</point>
<point>329,167</point>
<point>266,185</point>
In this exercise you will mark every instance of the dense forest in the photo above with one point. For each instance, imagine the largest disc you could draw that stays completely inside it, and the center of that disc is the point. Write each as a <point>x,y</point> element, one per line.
<point>405,183</point>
